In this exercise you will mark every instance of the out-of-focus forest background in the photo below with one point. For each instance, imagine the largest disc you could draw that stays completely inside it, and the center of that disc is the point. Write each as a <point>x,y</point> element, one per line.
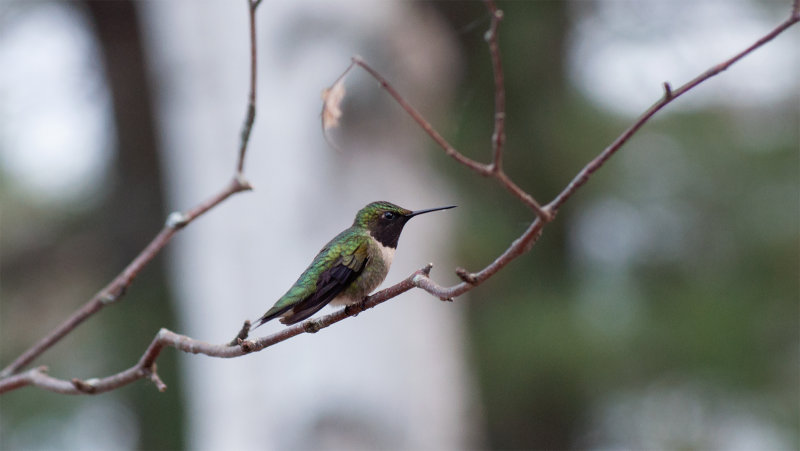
<point>660,309</point>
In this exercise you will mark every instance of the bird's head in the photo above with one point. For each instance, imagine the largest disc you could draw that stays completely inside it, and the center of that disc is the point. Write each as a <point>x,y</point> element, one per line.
<point>385,220</point>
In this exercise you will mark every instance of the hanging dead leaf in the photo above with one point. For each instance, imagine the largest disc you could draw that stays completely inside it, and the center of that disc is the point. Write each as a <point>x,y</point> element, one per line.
<point>331,107</point>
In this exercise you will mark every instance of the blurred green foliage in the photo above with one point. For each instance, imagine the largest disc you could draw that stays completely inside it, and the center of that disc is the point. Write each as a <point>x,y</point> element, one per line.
<point>707,298</point>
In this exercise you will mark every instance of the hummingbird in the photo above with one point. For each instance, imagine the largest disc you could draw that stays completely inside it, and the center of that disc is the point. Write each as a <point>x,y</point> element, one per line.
<point>349,267</point>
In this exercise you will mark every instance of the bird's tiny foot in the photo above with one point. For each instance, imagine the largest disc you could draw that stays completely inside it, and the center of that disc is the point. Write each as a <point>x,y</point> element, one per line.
<point>352,309</point>
<point>357,307</point>
<point>311,326</point>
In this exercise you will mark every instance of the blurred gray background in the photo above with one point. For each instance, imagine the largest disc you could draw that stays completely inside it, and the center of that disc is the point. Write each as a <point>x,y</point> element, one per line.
<point>659,311</point>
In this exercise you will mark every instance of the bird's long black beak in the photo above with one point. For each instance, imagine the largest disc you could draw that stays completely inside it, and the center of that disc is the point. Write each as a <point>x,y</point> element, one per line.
<point>419,212</point>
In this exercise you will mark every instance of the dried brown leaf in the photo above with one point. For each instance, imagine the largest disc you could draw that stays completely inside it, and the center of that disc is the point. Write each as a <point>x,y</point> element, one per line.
<point>332,99</point>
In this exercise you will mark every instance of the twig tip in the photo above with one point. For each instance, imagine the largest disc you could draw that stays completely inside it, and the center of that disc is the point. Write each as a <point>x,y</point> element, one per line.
<point>466,276</point>
<point>242,334</point>
<point>667,90</point>
<point>160,385</point>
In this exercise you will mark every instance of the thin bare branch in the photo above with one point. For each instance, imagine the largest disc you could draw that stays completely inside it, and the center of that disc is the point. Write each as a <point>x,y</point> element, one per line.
<point>176,221</point>
<point>479,168</point>
<point>250,115</point>
<point>521,245</point>
<point>145,368</point>
<point>499,135</point>
<point>451,151</point>
<point>495,168</point>
<point>669,95</point>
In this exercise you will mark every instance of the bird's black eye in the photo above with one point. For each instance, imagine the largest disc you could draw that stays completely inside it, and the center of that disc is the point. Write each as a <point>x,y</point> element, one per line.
<point>388,215</point>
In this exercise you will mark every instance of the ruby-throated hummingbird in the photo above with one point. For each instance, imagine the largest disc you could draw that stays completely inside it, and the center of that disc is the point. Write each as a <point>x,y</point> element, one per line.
<point>349,267</point>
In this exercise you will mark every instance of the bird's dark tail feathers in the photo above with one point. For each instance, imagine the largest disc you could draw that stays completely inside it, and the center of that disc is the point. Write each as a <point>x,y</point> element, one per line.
<point>269,316</point>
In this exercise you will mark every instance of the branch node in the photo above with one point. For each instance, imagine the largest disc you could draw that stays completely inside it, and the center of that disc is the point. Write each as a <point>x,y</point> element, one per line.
<point>549,214</point>
<point>247,346</point>
<point>84,386</point>
<point>242,335</point>
<point>241,183</point>
<point>108,298</point>
<point>113,294</point>
<point>176,220</point>
<point>667,90</point>
<point>426,270</point>
<point>498,15</point>
<point>152,374</point>
<point>466,276</point>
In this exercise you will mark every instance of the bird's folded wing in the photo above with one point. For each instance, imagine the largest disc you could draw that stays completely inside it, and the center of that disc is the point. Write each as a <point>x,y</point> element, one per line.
<point>330,283</point>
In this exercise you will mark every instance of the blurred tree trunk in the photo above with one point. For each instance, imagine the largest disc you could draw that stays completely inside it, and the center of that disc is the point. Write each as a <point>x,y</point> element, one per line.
<point>535,411</point>
<point>132,214</point>
<point>135,206</point>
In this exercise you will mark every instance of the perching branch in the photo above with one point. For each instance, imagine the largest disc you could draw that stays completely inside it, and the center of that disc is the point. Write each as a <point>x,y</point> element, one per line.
<point>145,367</point>
<point>669,95</point>
<point>175,221</point>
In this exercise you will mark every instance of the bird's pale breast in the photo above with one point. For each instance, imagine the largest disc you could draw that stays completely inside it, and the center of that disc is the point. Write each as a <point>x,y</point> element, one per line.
<point>380,259</point>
